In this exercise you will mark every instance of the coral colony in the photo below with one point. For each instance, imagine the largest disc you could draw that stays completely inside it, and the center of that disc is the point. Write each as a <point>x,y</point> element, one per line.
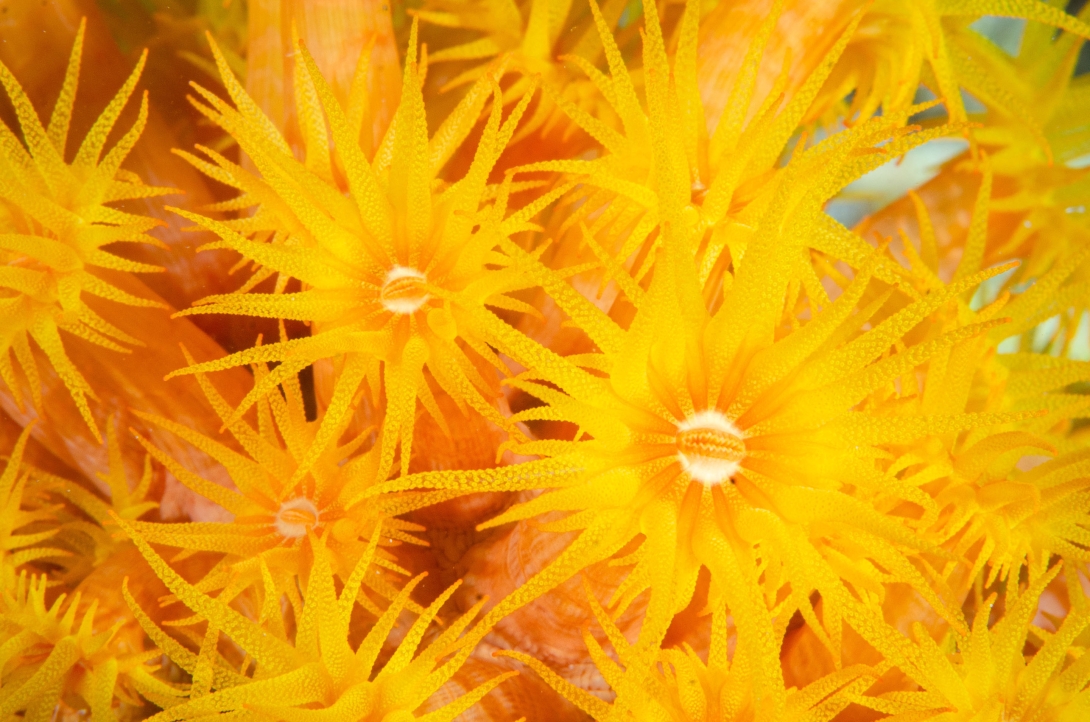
<point>547,360</point>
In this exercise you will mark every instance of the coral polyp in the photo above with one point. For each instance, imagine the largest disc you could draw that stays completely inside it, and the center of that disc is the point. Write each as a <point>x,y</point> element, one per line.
<point>321,672</point>
<point>545,361</point>
<point>56,220</point>
<point>396,275</point>
<point>685,687</point>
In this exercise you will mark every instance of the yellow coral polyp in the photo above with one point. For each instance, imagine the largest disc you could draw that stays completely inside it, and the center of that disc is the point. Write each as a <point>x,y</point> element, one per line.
<point>807,444</point>
<point>991,675</point>
<point>78,545</point>
<point>45,652</point>
<point>682,687</point>
<point>274,514</point>
<point>54,221</point>
<point>318,674</point>
<point>397,269</point>
<point>536,39</point>
<point>17,548</point>
<point>900,45</point>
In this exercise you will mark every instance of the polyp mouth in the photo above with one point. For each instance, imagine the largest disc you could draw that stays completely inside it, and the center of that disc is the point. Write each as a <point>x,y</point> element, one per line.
<point>403,291</point>
<point>709,447</point>
<point>295,517</point>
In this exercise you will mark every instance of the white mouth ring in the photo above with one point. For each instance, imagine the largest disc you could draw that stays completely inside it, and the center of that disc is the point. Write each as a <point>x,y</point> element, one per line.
<point>402,290</point>
<point>295,517</point>
<point>710,447</point>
